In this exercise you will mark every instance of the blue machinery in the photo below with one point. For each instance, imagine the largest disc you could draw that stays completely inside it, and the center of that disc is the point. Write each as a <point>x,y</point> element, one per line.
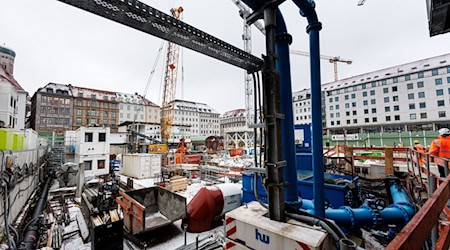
<point>398,213</point>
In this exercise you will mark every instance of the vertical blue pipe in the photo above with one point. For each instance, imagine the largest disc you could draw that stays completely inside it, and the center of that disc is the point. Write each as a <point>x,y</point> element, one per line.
<point>316,115</point>
<point>282,42</point>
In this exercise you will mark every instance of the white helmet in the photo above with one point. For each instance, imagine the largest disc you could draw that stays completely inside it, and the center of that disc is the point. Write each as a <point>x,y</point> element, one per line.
<point>444,131</point>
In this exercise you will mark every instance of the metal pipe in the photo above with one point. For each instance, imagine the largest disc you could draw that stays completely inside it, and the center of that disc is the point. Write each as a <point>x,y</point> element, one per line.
<point>31,238</point>
<point>434,231</point>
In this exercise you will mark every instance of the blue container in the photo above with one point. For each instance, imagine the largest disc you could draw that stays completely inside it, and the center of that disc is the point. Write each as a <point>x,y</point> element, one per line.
<point>302,137</point>
<point>304,161</point>
<point>337,195</point>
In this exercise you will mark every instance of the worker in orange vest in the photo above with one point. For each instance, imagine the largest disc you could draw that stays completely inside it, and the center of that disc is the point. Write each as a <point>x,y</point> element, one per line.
<point>441,147</point>
<point>420,150</point>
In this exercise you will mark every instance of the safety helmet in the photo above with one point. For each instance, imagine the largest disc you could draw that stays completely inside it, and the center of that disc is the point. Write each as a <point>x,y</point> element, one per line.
<point>444,131</point>
<point>416,142</point>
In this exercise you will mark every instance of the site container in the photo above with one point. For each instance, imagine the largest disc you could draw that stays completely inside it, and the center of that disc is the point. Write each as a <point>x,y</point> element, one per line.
<point>302,134</point>
<point>150,208</point>
<point>304,161</point>
<point>141,166</point>
<point>6,139</point>
<point>249,227</point>
<point>31,138</point>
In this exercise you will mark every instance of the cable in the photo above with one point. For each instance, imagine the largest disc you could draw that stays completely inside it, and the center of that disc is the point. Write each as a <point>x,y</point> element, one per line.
<point>154,68</point>
<point>313,221</point>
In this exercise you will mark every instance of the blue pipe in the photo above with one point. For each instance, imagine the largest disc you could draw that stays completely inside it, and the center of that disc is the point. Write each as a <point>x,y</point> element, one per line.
<point>307,9</point>
<point>282,42</point>
<point>400,212</point>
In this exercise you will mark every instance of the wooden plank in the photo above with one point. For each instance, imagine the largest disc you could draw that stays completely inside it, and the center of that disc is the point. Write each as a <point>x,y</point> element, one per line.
<point>444,238</point>
<point>381,158</point>
<point>389,161</point>
<point>349,155</point>
<point>417,231</point>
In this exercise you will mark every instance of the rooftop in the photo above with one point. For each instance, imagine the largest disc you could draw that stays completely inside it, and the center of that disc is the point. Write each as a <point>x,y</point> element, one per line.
<point>7,51</point>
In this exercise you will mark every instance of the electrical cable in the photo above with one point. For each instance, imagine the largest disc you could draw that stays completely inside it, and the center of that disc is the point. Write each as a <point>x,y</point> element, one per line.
<point>313,221</point>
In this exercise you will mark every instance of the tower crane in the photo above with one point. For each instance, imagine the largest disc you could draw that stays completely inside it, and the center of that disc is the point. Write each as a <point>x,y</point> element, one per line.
<point>332,59</point>
<point>170,83</point>
<point>361,2</point>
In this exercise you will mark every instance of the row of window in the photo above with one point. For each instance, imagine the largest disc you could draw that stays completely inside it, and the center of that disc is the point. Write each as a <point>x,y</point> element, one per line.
<point>88,164</point>
<point>91,121</point>
<point>95,113</point>
<point>95,104</point>
<point>93,96</point>
<point>434,72</point>
<point>55,110</point>
<point>51,120</point>
<point>441,114</point>
<point>55,100</point>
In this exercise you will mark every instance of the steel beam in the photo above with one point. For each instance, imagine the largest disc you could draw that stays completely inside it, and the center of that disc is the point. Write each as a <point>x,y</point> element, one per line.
<point>140,16</point>
<point>417,231</point>
<point>444,238</point>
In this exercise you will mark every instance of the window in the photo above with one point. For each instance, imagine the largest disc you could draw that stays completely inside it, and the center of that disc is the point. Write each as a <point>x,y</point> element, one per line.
<point>386,99</point>
<point>422,105</point>
<point>128,107</point>
<point>354,95</point>
<point>448,69</point>
<point>363,86</point>
<point>421,94</point>
<point>354,104</point>
<point>128,115</point>
<point>346,97</point>
<point>383,82</point>
<point>395,98</point>
<point>374,84</point>
<point>113,114</point>
<point>374,111</point>
<point>113,106</point>
<point>407,77</point>
<point>412,106</point>
<point>409,86</point>
<point>434,72</point>
<point>385,90</point>
<point>420,75</point>
<point>396,108</point>
<point>387,109</point>
<point>102,136</point>
<point>366,120</point>
<point>440,103</point>
<point>412,116</point>
<point>365,93</point>
<point>354,112</point>
<point>338,123</point>
<point>397,117</point>
<point>79,112</point>
<point>419,84</point>
<point>411,96</point>
<point>87,137</point>
<point>105,122</point>
<point>348,121</point>
<point>366,111</point>
<point>374,119</point>
<point>441,114</point>
<point>79,103</point>
<point>338,115</point>
<point>365,102</point>
<point>332,123</point>
<point>372,92</point>
<point>388,118</point>
<point>423,115</point>
<point>101,164</point>
<point>448,79</point>
<point>373,101</point>
<point>105,105</point>
<point>336,99</point>
<point>438,81</point>
<point>332,115</point>
<point>439,92</point>
<point>355,88</point>
<point>88,165</point>
<point>78,121</point>
<point>121,107</point>
<point>94,104</point>
<point>337,106</point>
<point>395,80</point>
<point>347,105</point>
<point>394,88</point>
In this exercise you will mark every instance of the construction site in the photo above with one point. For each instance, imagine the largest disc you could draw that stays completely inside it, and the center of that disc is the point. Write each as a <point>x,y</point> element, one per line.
<point>257,181</point>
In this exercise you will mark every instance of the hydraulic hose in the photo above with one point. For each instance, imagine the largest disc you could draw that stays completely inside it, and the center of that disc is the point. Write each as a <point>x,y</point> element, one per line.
<point>314,222</point>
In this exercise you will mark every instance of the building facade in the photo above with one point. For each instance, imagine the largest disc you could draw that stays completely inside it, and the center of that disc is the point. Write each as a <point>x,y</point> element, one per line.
<point>94,107</point>
<point>52,109</point>
<point>12,95</point>
<point>301,103</point>
<point>200,118</point>
<point>137,109</point>
<point>409,97</point>
<point>235,130</point>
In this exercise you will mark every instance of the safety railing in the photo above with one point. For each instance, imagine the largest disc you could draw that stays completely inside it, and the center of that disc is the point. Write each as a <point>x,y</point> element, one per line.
<point>427,228</point>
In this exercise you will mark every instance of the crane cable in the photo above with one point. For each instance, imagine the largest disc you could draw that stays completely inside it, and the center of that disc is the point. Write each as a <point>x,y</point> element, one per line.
<point>154,68</point>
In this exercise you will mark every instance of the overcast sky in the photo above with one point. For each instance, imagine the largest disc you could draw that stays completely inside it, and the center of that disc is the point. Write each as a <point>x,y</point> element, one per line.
<point>56,42</point>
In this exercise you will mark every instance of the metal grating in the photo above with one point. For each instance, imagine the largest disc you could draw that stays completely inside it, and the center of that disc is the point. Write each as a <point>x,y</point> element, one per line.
<point>142,17</point>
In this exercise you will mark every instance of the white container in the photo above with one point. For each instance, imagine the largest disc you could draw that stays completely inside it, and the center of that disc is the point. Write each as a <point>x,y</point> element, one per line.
<point>250,225</point>
<point>31,138</point>
<point>141,166</point>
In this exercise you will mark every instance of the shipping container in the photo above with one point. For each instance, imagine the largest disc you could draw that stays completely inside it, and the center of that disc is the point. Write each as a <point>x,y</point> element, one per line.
<point>141,166</point>
<point>6,139</point>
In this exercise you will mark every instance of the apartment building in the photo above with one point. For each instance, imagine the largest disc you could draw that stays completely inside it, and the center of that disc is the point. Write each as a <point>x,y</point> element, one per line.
<point>137,109</point>
<point>93,107</point>
<point>301,103</point>
<point>52,109</point>
<point>12,95</point>
<point>408,97</point>
<point>235,130</point>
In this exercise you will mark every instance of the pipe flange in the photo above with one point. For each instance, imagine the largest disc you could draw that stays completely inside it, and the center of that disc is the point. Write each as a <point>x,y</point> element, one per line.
<point>284,37</point>
<point>351,215</point>
<point>314,26</point>
<point>306,12</point>
<point>403,211</point>
<point>296,204</point>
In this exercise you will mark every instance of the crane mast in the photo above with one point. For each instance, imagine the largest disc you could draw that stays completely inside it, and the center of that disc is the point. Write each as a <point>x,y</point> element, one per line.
<point>170,83</point>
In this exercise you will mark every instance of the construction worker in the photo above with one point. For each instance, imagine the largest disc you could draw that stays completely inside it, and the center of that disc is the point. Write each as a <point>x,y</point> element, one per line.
<point>441,147</point>
<point>420,150</point>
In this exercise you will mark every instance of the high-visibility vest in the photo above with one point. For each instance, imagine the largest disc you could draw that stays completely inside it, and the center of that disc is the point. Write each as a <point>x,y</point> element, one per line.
<point>443,146</point>
<point>420,148</point>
